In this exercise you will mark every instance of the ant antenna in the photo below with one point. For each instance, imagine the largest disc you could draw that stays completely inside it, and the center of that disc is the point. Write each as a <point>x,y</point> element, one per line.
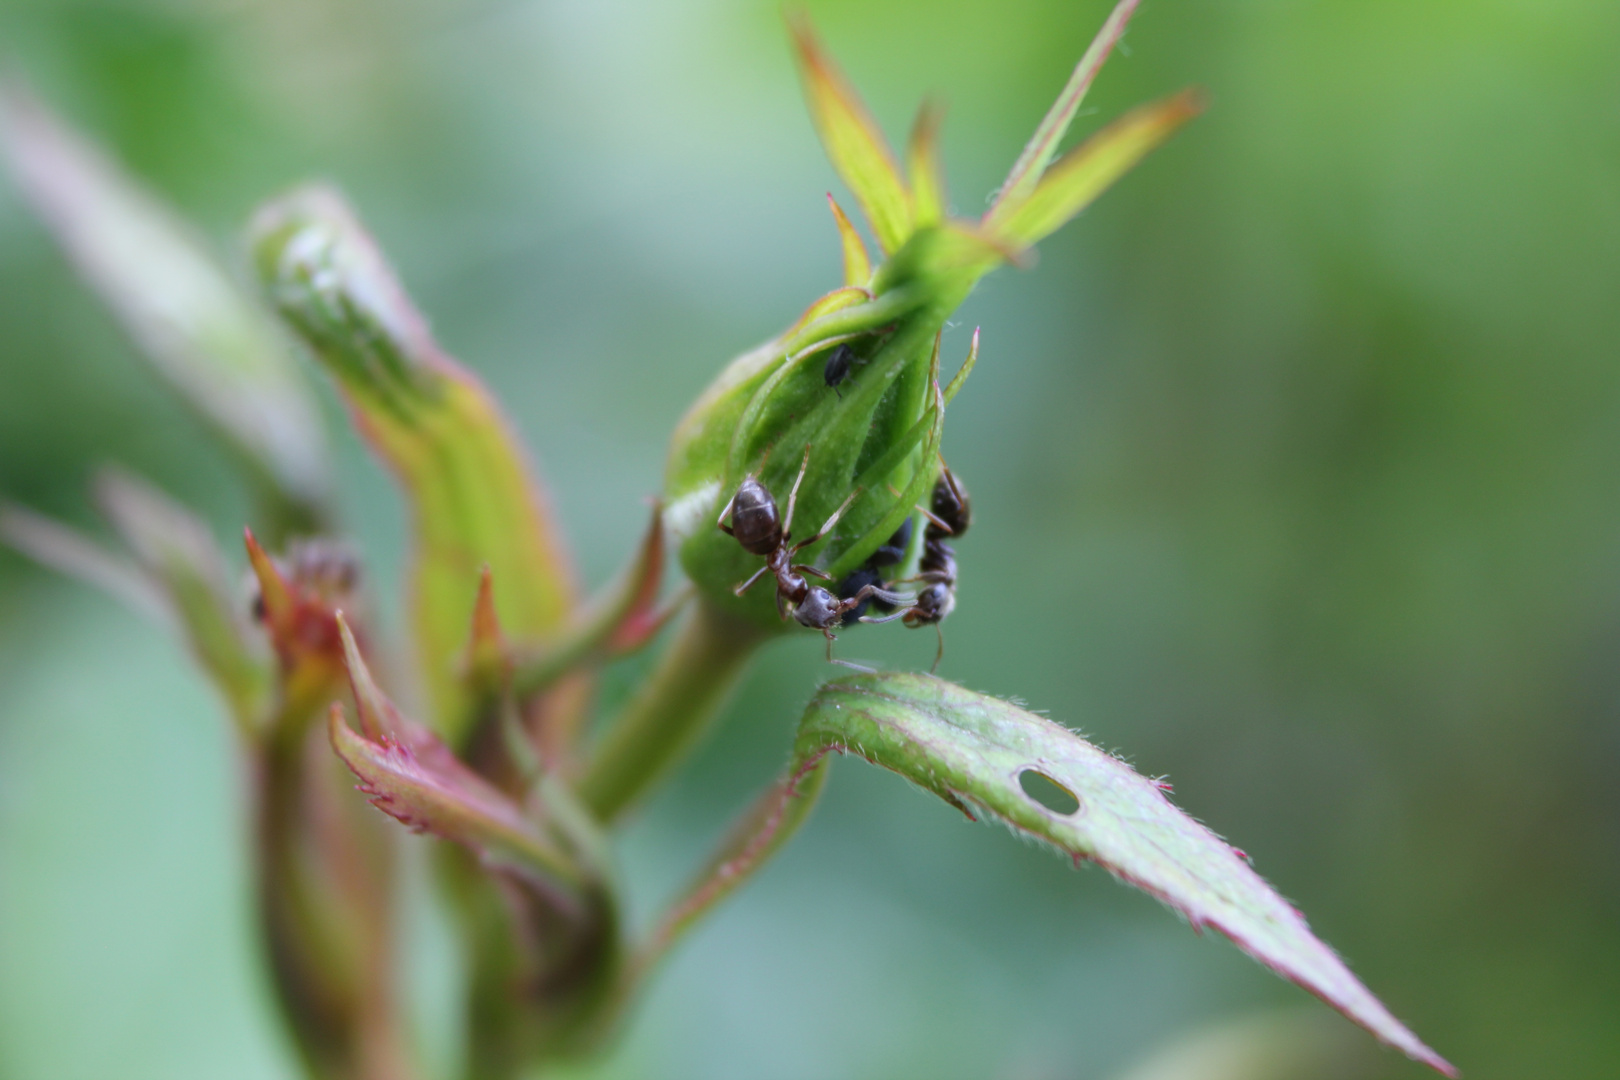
<point>827,526</point>
<point>793,495</point>
<point>934,518</point>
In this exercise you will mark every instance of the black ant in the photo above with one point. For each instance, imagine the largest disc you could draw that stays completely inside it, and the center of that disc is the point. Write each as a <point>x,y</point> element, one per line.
<point>949,514</point>
<point>757,527</point>
<point>839,362</point>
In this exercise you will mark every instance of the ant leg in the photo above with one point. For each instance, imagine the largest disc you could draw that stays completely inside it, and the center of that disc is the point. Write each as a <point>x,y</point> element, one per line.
<point>899,600</point>
<point>831,659</point>
<point>940,655</point>
<point>889,596</point>
<point>927,577</point>
<point>720,522</point>
<point>828,524</point>
<point>811,570</point>
<point>885,595</point>
<point>745,586</point>
<point>793,496</point>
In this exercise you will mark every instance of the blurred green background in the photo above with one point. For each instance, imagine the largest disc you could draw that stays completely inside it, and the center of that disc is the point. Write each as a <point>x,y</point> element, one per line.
<point>1294,460</point>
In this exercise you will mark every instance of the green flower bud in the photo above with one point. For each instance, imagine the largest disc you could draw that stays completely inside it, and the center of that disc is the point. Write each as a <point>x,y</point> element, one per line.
<point>871,441</point>
<point>850,394</point>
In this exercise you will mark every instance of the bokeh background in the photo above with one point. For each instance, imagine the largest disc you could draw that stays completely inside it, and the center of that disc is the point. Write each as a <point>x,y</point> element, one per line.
<point>1295,462</point>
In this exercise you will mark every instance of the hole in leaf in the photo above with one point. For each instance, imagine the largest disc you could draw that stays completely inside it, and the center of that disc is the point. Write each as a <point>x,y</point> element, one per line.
<point>1048,792</point>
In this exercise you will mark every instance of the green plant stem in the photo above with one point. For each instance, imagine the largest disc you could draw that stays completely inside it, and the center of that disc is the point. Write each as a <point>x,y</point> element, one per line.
<point>666,715</point>
<point>759,832</point>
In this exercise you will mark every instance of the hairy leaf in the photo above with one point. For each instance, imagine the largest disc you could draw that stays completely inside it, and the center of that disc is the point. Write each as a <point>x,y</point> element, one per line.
<point>210,340</point>
<point>474,500</point>
<point>528,879</point>
<point>1090,168</point>
<point>986,756</point>
<point>853,142</point>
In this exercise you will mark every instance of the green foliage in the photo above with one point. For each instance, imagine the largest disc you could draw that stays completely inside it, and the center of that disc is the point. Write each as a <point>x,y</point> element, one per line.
<point>978,754</point>
<point>877,440</point>
<point>506,770</point>
<point>473,496</point>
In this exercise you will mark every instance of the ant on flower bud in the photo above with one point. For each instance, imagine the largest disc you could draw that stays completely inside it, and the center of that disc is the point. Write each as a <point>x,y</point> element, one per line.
<point>949,514</point>
<point>871,573</point>
<point>760,530</point>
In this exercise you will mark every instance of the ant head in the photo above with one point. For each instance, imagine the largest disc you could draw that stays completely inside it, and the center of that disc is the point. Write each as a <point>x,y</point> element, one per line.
<point>933,604</point>
<point>820,610</point>
<point>754,518</point>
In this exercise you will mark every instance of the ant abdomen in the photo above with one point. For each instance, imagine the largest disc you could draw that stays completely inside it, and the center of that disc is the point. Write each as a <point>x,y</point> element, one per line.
<point>754,518</point>
<point>950,512</point>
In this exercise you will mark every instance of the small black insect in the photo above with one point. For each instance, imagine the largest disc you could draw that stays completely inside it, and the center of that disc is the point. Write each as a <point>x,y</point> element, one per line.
<point>895,549</point>
<point>871,573</point>
<point>839,362</point>
<point>851,586</point>
<point>755,524</point>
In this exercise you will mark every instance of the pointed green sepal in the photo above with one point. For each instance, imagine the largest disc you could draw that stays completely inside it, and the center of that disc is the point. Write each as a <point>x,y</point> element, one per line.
<point>928,199</point>
<point>1089,169</point>
<point>852,140</point>
<point>965,370</point>
<point>857,264</point>
<point>1042,147</point>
